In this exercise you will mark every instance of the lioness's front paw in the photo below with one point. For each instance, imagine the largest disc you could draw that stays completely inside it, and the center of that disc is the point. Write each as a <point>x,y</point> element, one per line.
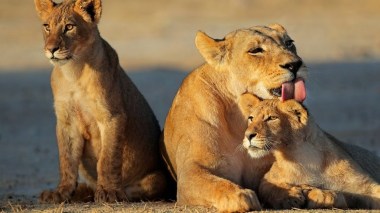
<point>109,195</point>
<point>322,199</point>
<point>242,201</point>
<point>54,197</point>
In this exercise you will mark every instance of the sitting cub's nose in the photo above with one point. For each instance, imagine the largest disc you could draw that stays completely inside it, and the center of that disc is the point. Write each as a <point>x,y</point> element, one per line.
<point>293,66</point>
<point>52,48</point>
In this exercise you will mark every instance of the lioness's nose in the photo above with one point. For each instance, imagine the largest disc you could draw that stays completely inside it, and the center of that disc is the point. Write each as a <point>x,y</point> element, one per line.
<point>293,66</point>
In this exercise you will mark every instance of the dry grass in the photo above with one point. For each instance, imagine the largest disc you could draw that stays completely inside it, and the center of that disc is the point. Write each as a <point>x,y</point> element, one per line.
<point>105,207</point>
<point>26,205</point>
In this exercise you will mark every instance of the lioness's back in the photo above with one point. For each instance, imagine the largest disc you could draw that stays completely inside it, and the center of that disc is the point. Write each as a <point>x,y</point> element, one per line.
<point>368,160</point>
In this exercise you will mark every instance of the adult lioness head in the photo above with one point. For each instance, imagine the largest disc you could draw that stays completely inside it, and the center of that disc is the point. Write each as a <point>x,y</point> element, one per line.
<point>272,124</point>
<point>69,28</point>
<point>262,59</point>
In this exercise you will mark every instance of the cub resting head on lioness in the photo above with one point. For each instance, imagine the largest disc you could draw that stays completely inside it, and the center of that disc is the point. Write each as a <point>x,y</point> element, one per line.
<point>105,128</point>
<point>204,126</point>
<point>310,169</point>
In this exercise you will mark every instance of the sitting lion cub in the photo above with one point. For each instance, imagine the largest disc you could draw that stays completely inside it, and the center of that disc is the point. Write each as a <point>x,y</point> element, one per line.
<point>105,128</point>
<point>310,169</point>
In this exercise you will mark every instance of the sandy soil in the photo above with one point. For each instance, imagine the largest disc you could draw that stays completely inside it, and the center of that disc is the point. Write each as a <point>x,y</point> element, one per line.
<point>154,38</point>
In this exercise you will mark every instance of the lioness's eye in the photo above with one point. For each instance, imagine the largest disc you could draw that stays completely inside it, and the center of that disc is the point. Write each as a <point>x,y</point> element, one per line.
<point>289,43</point>
<point>250,118</point>
<point>254,51</point>
<point>69,27</point>
<point>46,27</point>
<point>271,118</point>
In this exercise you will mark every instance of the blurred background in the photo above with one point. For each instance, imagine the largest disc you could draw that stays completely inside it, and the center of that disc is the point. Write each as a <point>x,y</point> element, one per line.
<point>338,39</point>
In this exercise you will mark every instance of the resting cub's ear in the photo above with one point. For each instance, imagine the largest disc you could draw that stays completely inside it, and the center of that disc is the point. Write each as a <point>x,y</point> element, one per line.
<point>214,51</point>
<point>293,108</point>
<point>278,27</point>
<point>247,102</point>
<point>90,10</point>
<point>44,8</point>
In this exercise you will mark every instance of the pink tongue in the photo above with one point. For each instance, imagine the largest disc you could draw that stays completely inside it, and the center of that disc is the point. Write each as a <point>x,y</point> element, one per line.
<point>294,90</point>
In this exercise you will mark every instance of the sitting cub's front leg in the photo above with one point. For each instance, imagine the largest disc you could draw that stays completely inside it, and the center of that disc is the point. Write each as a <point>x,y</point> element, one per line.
<point>109,166</point>
<point>70,148</point>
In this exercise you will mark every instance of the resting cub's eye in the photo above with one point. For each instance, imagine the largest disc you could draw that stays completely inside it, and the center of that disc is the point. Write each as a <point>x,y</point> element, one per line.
<point>250,119</point>
<point>69,27</point>
<point>255,51</point>
<point>46,27</point>
<point>289,43</point>
<point>271,118</point>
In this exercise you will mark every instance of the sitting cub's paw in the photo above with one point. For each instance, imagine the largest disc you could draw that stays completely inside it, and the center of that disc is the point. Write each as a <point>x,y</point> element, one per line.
<point>322,199</point>
<point>109,195</point>
<point>294,198</point>
<point>54,197</point>
<point>242,201</point>
<point>82,194</point>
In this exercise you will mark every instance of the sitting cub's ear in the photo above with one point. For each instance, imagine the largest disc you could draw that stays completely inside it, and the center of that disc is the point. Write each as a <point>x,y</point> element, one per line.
<point>278,27</point>
<point>214,51</point>
<point>90,10</point>
<point>247,102</point>
<point>294,108</point>
<point>44,7</point>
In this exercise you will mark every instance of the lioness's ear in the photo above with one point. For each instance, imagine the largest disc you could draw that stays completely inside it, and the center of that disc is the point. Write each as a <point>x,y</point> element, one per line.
<point>213,50</point>
<point>44,7</point>
<point>247,102</point>
<point>294,108</point>
<point>90,10</point>
<point>278,27</point>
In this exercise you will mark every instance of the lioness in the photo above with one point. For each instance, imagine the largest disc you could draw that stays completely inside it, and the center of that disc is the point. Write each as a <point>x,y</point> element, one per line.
<point>105,127</point>
<point>204,126</point>
<point>310,168</point>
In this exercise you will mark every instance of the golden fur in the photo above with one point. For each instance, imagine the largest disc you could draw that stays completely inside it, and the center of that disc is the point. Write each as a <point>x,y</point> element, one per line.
<point>310,169</point>
<point>204,126</point>
<point>105,127</point>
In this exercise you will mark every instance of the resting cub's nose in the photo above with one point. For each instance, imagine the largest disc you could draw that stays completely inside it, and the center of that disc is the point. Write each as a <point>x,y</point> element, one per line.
<point>293,66</point>
<point>250,136</point>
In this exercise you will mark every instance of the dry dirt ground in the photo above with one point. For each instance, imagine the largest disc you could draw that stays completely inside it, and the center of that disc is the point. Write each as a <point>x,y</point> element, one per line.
<point>338,39</point>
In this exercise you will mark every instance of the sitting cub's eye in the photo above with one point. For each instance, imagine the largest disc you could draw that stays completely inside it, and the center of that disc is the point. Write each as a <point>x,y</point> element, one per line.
<point>69,27</point>
<point>271,118</point>
<point>46,27</point>
<point>255,51</point>
<point>250,118</point>
<point>289,43</point>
